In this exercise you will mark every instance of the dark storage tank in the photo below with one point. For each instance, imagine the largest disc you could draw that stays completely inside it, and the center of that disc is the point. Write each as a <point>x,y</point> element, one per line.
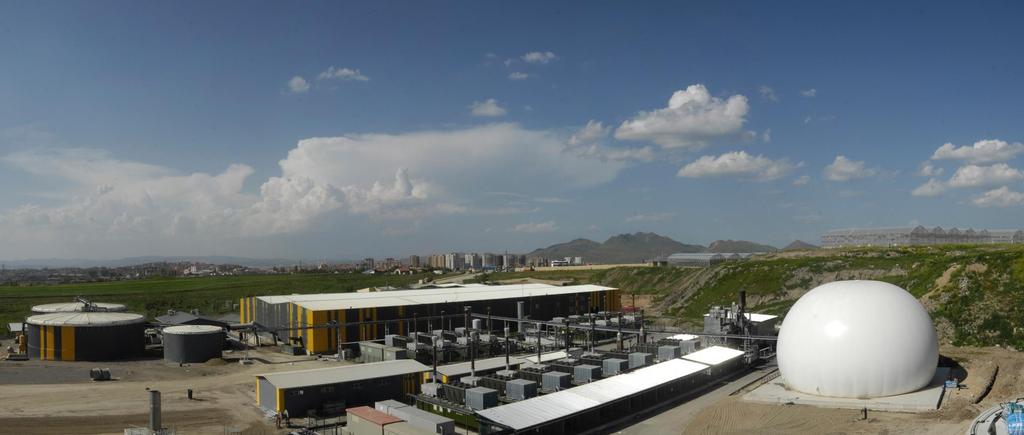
<point>85,336</point>
<point>71,307</point>
<point>192,343</point>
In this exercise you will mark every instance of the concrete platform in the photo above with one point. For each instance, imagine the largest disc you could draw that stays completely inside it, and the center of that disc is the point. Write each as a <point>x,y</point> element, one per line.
<point>923,400</point>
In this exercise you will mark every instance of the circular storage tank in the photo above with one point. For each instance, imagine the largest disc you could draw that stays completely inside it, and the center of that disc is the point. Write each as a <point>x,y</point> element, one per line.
<point>859,339</point>
<point>72,307</point>
<point>192,343</point>
<point>85,336</point>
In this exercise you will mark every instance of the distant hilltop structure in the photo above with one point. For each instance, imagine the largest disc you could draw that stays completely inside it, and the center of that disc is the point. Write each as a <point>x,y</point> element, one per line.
<point>916,236</point>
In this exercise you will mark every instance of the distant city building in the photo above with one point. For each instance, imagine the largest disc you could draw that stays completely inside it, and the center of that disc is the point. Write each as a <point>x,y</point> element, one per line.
<point>454,261</point>
<point>488,260</point>
<point>368,263</point>
<point>916,236</point>
<point>473,261</point>
<point>414,261</point>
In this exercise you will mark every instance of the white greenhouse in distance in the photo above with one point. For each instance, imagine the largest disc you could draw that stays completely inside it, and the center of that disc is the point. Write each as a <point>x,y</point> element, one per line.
<point>857,339</point>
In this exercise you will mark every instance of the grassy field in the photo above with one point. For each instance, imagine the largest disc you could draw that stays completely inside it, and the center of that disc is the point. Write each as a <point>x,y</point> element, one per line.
<point>213,295</point>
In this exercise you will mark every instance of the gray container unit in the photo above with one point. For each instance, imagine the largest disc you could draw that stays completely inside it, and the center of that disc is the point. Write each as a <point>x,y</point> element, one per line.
<point>666,353</point>
<point>416,417</point>
<point>586,373</point>
<point>533,373</point>
<point>640,359</point>
<point>520,389</point>
<point>614,366</point>
<point>377,352</point>
<point>553,381</point>
<point>481,398</point>
<point>689,346</point>
<point>192,343</point>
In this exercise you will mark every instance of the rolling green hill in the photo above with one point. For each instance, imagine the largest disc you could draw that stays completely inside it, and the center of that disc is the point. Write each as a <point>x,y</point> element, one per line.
<point>975,294</point>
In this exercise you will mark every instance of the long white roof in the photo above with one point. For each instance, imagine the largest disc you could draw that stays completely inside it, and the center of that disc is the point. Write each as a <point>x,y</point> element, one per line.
<point>339,301</point>
<point>539,410</point>
<point>713,355</point>
<point>347,373</point>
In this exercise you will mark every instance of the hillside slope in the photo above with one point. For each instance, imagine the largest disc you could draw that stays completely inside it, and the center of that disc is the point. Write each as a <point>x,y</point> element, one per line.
<point>973,293</point>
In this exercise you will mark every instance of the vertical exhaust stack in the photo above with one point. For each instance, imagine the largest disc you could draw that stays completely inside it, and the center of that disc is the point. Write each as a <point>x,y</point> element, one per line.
<point>433,343</point>
<point>538,342</point>
<point>568,336</point>
<point>520,313</point>
<point>619,334</point>
<point>474,338</point>
<point>508,350</point>
<point>154,411</point>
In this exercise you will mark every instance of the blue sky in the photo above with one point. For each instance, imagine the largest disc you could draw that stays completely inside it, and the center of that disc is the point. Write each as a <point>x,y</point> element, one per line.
<point>341,130</point>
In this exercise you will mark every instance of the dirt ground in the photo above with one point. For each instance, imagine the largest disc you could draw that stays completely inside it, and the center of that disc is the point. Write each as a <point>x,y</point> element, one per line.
<point>958,409</point>
<point>53,397</point>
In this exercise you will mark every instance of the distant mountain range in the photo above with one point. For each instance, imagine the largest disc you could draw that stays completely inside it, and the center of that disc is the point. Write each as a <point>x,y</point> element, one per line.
<point>131,261</point>
<point>800,245</point>
<point>638,247</point>
<point>739,246</point>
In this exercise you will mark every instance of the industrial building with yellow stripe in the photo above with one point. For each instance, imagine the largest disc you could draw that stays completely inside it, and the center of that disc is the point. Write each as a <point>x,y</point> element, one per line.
<point>319,321</point>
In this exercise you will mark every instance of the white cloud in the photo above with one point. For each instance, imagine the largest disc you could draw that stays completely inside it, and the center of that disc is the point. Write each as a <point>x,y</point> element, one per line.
<point>541,57</point>
<point>983,151</point>
<point>346,74</point>
<point>535,227</point>
<point>738,163</point>
<point>132,206</point>
<point>766,135</point>
<point>693,119</point>
<point>802,180</point>
<point>589,140</point>
<point>592,132</point>
<point>650,217</point>
<point>933,187</point>
<point>1001,197</point>
<point>975,176</point>
<point>767,93</point>
<point>487,108</point>
<point>298,85</point>
<point>844,169</point>
<point>518,76</point>
<point>490,155</point>
<point>927,169</point>
<point>809,93</point>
